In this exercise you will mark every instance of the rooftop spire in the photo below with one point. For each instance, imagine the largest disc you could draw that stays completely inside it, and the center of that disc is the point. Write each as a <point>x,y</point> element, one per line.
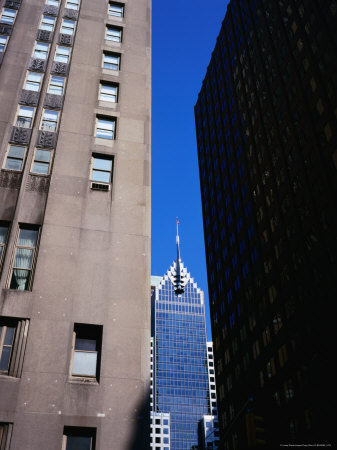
<point>179,277</point>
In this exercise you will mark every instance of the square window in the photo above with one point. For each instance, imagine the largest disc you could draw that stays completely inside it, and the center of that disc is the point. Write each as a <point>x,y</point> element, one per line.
<point>25,253</point>
<point>42,161</point>
<point>108,92</point>
<point>79,438</point>
<point>25,116</point>
<point>87,341</point>
<point>62,54</point>
<point>72,4</point>
<point>101,168</point>
<point>49,120</point>
<point>56,85</point>
<point>8,16</point>
<point>166,440</point>
<point>113,34</point>
<point>15,157</point>
<point>68,26</point>
<point>41,50</point>
<point>105,127</point>
<point>47,23</point>
<point>33,81</point>
<point>116,9</point>
<point>3,43</point>
<point>111,61</point>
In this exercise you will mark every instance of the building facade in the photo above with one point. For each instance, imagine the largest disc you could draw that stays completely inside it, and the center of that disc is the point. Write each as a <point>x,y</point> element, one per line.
<point>266,134</point>
<point>180,374</point>
<point>75,89</point>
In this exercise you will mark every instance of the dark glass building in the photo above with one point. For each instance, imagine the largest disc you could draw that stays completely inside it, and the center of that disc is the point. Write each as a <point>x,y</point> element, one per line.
<point>180,373</point>
<point>267,145</point>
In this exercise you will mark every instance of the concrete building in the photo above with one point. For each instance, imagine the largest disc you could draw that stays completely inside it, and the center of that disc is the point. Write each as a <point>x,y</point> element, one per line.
<point>266,125</point>
<point>75,90</point>
<point>180,375</point>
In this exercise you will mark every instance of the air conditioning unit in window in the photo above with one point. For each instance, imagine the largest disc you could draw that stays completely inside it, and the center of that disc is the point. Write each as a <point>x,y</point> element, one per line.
<point>100,186</point>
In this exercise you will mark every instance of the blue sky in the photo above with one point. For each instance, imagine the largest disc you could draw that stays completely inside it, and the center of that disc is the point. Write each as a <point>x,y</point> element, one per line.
<point>184,35</point>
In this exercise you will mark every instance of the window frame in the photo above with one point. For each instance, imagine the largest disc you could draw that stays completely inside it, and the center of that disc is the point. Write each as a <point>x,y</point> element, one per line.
<point>33,82</point>
<point>18,344</point>
<point>3,245</point>
<point>3,15</point>
<point>117,15</point>
<point>51,84</point>
<point>109,84</point>
<point>73,2</point>
<point>3,44</point>
<point>17,121</point>
<point>45,53</point>
<point>105,157</point>
<point>46,26</point>
<point>89,332</point>
<point>114,28</point>
<point>56,53</point>
<point>65,29</point>
<point>114,124</point>
<point>52,3</point>
<point>56,122</point>
<point>15,158</point>
<point>118,65</point>
<point>31,270</point>
<point>79,432</point>
<point>34,160</point>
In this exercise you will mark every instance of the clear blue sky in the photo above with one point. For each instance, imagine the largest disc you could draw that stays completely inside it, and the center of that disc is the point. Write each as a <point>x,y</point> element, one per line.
<point>184,35</point>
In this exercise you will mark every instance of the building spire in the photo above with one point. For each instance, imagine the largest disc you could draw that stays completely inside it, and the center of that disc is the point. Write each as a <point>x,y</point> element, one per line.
<point>179,277</point>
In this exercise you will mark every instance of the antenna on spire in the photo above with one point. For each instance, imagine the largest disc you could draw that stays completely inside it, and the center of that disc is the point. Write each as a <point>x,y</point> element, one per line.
<point>179,282</point>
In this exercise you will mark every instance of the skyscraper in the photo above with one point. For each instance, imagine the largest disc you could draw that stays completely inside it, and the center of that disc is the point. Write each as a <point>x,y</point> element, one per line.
<point>266,133</point>
<point>75,86</point>
<point>180,374</point>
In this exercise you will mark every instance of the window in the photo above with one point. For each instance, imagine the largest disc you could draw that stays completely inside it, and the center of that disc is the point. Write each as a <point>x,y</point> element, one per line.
<point>24,259</point>
<point>15,157</point>
<point>42,161</point>
<point>8,16</point>
<point>116,9</point>
<point>108,92</point>
<point>33,81</point>
<point>72,4</point>
<point>3,43</point>
<point>41,50</point>
<point>75,438</point>
<point>4,227</point>
<point>105,128</point>
<point>101,170</point>
<point>49,120</point>
<point>111,61</point>
<point>53,2</point>
<point>68,26</point>
<point>62,54</point>
<point>56,85</point>
<point>87,341</point>
<point>25,117</point>
<point>13,337</point>
<point>47,23</point>
<point>5,434</point>
<point>113,34</point>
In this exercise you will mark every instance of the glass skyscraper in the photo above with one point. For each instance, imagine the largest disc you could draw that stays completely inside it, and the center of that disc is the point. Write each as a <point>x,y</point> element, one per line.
<point>180,377</point>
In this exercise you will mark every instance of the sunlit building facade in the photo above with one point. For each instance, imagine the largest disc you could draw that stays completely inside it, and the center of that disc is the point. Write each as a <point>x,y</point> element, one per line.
<point>267,138</point>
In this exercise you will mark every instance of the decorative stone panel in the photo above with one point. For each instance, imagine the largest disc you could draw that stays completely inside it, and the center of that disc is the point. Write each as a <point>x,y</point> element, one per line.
<point>50,10</point>
<point>70,13</point>
<point>59,68</point>
<point>44,35</point>
<point>53,101</point>
<point>29,97</point>
<point>10,180</point>
<point>36,183</point>
<point>66,39</point>
<point>6,30</point>
<point>39,65</point>
<point>46,139</point>
<point>20,135</point>
<point>12,4</point>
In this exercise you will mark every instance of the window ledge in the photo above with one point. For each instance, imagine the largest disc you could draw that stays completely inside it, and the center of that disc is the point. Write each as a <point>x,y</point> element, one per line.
<point>83,380</point>
<point>10,170</point>
<point>9,378</point>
